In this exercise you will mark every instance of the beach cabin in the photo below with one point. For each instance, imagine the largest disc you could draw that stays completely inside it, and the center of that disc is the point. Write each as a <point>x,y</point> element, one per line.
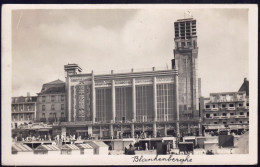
<point>21,149</point>
<point>120,144</point>
<point>86,149</point>
<point>190,139</point>
<point>100,147</point>
<point>70,149</point>
<point>47,149</point>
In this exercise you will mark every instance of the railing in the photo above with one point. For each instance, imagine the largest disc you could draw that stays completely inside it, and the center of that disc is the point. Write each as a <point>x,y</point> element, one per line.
<point>132,70</point>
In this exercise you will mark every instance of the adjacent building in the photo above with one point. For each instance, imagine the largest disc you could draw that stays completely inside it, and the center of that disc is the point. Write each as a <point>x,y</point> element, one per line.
<point>227,110</point>
<point>23,110</point>
<point>51,102</point>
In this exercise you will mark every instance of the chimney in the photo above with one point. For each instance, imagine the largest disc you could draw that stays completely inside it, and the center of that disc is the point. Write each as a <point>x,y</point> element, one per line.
<point>245,79</point>
<point>28,94</point>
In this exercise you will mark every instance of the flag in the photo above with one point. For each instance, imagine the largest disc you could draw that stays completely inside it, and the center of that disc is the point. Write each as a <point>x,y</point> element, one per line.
<point>188,12</point>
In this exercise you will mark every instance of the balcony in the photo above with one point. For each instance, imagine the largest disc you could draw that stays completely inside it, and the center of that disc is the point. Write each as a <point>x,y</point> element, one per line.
<point>232,116</point>
<point>214,109</point>
<point>241,116</point>
<point>224,117</point>
<point>227,101</point>
<point>231,108</point>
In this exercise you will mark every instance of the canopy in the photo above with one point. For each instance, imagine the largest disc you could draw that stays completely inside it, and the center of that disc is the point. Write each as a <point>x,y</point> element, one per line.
<point>47,147</point>
<point>21,147</point>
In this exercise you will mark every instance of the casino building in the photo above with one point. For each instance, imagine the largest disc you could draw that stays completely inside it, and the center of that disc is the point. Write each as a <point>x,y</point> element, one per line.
<point>158,102</point>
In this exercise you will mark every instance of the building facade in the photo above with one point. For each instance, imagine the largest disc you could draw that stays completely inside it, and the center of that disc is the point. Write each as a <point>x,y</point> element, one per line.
<point>226,110</point>
<point>23,110</point>
<point>51,102</point>
<point>156,102</point>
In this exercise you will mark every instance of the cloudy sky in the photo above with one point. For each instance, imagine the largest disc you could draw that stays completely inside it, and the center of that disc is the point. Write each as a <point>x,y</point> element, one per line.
<point>43,41</point>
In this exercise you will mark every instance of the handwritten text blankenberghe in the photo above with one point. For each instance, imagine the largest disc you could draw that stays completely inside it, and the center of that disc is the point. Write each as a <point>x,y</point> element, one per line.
<point>169,159</point>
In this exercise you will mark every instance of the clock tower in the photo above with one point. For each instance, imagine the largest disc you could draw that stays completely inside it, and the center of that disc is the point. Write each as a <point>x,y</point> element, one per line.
<point>185,61</point>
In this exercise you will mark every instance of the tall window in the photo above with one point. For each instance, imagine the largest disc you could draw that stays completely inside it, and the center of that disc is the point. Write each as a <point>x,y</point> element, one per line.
<point>62,97</point>
<point>124,104</point>
<point>62,106</point>
<point>43,98</point>
<point>52,98</point>
<point>43,107</point>
<point>165,102</point>
<point>144,103</point>
<point>43,115</point>
<point>103,104</point>
<point>52,107</point>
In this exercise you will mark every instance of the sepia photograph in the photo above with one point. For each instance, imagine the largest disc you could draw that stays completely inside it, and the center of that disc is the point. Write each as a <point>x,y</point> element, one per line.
<point>129,84</point>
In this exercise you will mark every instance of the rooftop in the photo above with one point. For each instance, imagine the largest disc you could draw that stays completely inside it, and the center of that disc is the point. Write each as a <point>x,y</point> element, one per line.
<point>53,87</point>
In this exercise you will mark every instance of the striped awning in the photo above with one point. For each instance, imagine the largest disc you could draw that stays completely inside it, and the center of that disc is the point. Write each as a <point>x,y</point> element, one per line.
<point>85,146</point>
<point>21,147</point>
<point>71,146</point>
<point>47,147</point>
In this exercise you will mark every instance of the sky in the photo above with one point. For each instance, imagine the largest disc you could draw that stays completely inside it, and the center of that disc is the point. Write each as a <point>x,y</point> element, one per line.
<point>44,40</point>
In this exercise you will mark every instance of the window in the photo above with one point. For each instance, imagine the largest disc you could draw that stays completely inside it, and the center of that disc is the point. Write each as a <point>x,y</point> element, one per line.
<point>124,104</point>
<point>207,115</point>
<point>241,113</point>
<point>224,122</point>
<point>247,104</point>
<point>241,122</point>
<point>43,107</point>
<point>43,98</point>
<point>43,115</point>
<point>188,44</point>
<point>207,106</point>
<point>232,122</point>
<point>213,106</point>
<point>224,114</point>
<point>223,105</point>
<point>177,46</point>
<point>54,115</point>
<point>62,97</point>
<point>231,113</point>
<point>62,106</point>
<point>103,104</point>
<point>165,102</point>
<point>247,114</point>
<point>215,122</point>
<point>52,98</point>
<point>240,104</point>
<point>215,114</point>
<point>52,107</point>
<point>231,105</point>
<point>183,44</point>
<point>144,103</point>
<point>62,114</point>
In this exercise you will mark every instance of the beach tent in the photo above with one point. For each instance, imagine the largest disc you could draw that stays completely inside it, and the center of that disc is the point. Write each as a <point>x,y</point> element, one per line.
<point>21,149</point>
<point>47,149</point>
<point>70,149</point>
<point>86,149</point>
